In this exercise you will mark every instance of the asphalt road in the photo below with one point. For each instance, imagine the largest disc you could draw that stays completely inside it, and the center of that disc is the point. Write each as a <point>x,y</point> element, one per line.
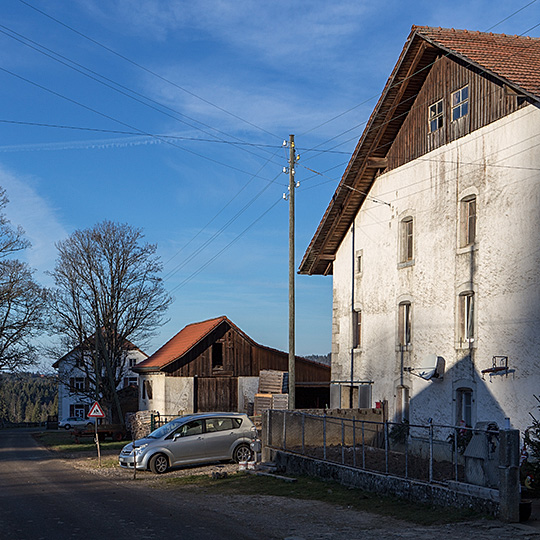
<point>41,497</point>
<point>45,497</point>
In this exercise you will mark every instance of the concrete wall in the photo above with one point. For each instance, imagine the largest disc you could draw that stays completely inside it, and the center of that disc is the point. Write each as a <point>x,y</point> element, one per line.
<point>501,166</point>
<point>325,426</point>
<point>171,396</point>
<point>247,388</point>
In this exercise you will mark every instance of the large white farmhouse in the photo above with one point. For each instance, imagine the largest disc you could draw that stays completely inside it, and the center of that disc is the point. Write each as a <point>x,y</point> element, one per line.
<point>75,389</point>
<point>433,237</point>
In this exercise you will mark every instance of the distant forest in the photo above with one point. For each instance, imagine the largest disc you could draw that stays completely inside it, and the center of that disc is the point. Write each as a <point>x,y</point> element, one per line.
<point>321,358</point>
<point>27,397</point>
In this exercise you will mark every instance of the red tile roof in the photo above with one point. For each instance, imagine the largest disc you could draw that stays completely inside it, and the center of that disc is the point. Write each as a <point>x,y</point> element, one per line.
<point>192,334</point>
<point>513,58</point>
<point>181,343</point>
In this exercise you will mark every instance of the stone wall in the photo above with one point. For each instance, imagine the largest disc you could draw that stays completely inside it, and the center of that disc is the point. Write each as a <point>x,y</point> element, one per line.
<point>482,500</point>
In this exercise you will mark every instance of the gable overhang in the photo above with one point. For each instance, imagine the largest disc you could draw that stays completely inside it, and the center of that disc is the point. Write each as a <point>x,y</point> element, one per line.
<point>369,157</point>
<point>166,365</point>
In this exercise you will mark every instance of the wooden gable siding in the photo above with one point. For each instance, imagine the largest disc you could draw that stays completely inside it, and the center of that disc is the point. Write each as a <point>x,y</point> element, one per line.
<point>489,100</point>
<point>236,356</point>
<point>241,358</point>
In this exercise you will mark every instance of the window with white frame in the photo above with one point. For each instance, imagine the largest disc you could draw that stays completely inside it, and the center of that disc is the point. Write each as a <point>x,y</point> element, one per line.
<point>468,221</point>
<point>406,240</point>
<point>404,324</point>
<point>466,317</point>
<point>78,411</point>
<point>78,383</point>
<point>464,400</point>
<point>460,103</point>
<point>436,116</point>
<point>357,328</point>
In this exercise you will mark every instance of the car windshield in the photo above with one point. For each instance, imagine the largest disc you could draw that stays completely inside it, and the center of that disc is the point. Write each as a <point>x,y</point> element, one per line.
<point>166,429</point>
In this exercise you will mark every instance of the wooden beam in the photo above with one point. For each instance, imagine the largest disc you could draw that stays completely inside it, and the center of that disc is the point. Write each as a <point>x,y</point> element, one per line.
<point>377,163</point>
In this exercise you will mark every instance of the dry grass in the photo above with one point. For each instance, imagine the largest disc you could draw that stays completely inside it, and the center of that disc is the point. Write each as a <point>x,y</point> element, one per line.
<point>307,488</point>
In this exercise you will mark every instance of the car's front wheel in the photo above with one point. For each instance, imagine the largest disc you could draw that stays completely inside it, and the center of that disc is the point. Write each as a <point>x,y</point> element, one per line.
<point>242,453</point>
<point>67,426</point>
<point>159,464</point>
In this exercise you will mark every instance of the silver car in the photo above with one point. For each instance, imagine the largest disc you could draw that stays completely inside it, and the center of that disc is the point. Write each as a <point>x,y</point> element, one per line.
<point>197,438</point>
<point>76,421</point>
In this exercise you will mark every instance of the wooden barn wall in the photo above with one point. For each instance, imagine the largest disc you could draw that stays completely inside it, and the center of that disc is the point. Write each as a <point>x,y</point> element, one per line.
<point>240,359</point>
<point>305,371</point>
<point>489,101</point>
<point>217,394</point>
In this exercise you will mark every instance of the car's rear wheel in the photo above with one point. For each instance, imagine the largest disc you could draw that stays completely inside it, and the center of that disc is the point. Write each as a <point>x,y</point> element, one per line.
<point>242,453</point>
<point>159,464</point>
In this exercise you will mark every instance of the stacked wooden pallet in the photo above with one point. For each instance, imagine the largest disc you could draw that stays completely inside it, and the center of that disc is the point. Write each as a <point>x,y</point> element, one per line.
<point>273,382</point>
<point>273,388</point>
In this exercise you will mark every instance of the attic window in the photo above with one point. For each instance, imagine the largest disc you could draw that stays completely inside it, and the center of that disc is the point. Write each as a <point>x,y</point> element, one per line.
<point>436,116</point>
<point>217,355</point>
<point>460,103</point>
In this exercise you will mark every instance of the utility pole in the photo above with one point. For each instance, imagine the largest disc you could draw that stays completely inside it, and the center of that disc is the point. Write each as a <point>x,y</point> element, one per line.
<point>292,366</point>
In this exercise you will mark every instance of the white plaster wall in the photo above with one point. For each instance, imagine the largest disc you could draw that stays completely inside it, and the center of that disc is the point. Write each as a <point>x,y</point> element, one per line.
<point>247,388</point>
<point>171,396</point>
<point>501,164</point>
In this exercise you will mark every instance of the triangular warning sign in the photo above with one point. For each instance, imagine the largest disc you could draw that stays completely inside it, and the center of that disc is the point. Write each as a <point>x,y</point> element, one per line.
<point>96,411</point>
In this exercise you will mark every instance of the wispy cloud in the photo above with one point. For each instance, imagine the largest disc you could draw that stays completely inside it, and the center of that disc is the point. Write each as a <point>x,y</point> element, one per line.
<point>30,210</point>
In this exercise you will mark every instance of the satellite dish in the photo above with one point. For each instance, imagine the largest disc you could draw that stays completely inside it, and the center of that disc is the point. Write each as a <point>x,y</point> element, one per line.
<point>437,372</point>
<point>430,373</point>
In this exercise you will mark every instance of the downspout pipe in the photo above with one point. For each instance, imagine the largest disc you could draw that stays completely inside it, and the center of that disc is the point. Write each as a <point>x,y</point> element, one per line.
<point>352,314</point>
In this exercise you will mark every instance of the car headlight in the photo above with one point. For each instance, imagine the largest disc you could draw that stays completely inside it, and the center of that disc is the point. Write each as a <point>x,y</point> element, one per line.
<point>139,449</point>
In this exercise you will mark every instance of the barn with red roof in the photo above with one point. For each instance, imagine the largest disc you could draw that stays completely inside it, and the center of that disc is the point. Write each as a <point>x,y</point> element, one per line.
<point>214,366</point>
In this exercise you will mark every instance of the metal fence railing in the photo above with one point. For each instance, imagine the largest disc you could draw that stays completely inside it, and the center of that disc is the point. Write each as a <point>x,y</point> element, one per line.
<point>156,420</point>
<point>431,453</point>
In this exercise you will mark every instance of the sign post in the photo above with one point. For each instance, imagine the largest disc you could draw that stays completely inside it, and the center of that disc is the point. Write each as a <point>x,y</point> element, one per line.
<point>96,412</point>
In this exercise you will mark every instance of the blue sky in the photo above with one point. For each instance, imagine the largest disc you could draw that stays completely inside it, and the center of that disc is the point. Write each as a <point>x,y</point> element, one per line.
<point>184,137</point>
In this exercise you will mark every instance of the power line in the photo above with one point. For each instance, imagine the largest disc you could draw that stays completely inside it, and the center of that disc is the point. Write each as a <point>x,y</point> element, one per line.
<point>412,163</point>
<point>121,132</point>
<point>153,73</point>
<point>218,232</point>
<point>404,80</point>
<point>140,131</point>
<point>225,248</point>
<point>101,79</point>
<point>416,106</point>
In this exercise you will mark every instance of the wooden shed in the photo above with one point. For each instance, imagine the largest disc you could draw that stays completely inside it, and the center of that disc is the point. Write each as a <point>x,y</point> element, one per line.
<point>214,365</point>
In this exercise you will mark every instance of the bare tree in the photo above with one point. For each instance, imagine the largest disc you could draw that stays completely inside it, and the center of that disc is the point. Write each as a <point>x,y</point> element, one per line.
<point>108,295</point>
<point>22,300</point>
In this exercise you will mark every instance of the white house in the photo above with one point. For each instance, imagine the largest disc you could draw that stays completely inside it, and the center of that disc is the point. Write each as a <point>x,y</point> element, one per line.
<point>433,237</point>
<point>74,395</point>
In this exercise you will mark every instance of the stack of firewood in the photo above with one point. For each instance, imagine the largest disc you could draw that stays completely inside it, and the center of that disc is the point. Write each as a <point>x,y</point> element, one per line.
<point>139,423</point>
